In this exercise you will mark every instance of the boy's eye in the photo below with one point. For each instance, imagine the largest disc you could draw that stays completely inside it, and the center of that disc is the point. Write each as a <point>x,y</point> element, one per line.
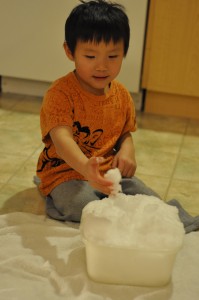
<point>113,56</point>
<point>90,56</point>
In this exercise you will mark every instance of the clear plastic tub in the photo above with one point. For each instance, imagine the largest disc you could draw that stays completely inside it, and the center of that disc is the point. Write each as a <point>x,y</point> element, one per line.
<point>129,266</point>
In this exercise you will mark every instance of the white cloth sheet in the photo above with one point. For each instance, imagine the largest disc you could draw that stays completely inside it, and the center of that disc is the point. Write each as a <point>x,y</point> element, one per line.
<point>44,259</point>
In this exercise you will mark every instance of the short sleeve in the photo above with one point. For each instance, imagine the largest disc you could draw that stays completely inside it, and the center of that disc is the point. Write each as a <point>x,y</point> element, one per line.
<point>57,110</point>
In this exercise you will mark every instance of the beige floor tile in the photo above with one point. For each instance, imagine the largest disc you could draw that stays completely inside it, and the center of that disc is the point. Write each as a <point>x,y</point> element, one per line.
<point>17,198</point>
<point>9,165</point>
<point>19,142</point>
<point>4,113</point>
<point>187,193</point>
<point>162,123</point>
<point>154,162</point>
<point>24,176</point>
<point>158,184</point>
<point>187,168</point>
<point>190,146</point>
<point>20,121</point>
<point>163,141</point>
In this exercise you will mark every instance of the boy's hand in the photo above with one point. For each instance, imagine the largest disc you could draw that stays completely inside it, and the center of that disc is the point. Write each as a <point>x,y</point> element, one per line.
<point>125,162</point>
<point>95,179</point>
<point>124,159</point>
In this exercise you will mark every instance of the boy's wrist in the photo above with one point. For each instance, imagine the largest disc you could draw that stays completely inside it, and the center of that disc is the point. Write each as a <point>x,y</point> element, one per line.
<point>82,167</point>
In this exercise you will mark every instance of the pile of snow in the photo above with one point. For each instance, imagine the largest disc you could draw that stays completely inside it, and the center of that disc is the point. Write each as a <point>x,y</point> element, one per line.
<point>140,222</point>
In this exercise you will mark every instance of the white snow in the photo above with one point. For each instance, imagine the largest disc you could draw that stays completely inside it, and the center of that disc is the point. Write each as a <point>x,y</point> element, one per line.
<point>140,221</point>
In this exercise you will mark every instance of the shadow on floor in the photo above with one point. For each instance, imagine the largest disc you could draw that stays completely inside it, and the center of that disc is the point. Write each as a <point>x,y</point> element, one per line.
<point>28,200</point>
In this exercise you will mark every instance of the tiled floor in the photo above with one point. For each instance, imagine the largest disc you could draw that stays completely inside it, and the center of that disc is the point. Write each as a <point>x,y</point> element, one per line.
<point>166,150</point>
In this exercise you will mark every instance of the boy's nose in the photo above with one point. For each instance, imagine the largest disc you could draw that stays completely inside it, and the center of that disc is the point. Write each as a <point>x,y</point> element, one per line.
<point>102,66</point>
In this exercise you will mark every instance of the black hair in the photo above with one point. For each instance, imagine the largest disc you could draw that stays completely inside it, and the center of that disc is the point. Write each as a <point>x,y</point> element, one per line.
<point>97,20</point>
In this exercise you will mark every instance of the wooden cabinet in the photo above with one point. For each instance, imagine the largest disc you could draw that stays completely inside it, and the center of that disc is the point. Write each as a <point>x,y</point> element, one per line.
<point>171,60</point>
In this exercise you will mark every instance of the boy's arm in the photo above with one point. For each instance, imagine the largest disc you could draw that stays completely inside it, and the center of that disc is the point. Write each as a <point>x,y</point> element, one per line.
<point>70,152</point>
<point>124,160</point>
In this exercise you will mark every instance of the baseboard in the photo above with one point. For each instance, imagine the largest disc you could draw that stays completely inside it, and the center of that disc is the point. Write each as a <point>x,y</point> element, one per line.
<point>38,88</point>
<point>23,86</point>
<point>172,105</point>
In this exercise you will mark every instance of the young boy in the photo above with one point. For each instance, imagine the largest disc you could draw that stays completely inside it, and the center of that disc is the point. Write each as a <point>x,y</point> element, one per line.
<point>87,116</point>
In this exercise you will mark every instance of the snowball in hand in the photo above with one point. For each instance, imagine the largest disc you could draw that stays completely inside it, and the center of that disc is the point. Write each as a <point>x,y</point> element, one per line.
<point>114,175</point>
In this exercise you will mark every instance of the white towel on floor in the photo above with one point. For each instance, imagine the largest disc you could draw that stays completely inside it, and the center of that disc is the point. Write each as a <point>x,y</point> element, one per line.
<point>45,260</point>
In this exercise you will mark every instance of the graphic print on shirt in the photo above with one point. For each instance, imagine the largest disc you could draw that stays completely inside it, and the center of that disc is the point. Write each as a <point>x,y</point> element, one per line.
<point>46,159</point>
<point>84,138</point>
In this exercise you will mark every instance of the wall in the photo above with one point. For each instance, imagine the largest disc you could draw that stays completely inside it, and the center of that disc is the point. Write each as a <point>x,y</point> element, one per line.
<point>32,34</point>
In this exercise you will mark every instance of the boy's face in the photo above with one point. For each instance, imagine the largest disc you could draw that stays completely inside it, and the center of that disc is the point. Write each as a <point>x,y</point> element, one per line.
<point>97,64</point>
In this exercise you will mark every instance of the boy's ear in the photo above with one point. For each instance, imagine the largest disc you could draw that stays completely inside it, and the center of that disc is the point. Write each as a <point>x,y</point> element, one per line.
<point>68,52</point>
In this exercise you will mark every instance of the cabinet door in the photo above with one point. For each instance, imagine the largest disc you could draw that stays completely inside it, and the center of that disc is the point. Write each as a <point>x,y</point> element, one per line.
<point>171,63</point>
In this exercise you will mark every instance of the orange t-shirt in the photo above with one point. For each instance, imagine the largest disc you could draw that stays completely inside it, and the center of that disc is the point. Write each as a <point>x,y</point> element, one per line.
<point>97,123</point>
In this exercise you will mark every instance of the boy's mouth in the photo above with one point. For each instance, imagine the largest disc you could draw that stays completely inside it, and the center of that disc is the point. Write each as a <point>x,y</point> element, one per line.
<point>100,77</point>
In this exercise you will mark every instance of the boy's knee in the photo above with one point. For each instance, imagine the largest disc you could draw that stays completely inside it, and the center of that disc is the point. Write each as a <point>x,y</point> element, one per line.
<point>133,186</point>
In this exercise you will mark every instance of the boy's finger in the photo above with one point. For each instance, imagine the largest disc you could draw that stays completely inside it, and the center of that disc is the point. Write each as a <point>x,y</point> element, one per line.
<point>114,164</point>
<point>95,161</point>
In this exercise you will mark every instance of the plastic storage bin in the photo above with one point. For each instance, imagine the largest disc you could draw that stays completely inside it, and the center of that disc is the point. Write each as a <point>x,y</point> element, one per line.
<point>129,266</point>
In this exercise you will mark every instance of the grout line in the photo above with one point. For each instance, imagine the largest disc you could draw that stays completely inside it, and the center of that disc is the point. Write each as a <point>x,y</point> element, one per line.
<point>177,160</point>
<point>21,166</point>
